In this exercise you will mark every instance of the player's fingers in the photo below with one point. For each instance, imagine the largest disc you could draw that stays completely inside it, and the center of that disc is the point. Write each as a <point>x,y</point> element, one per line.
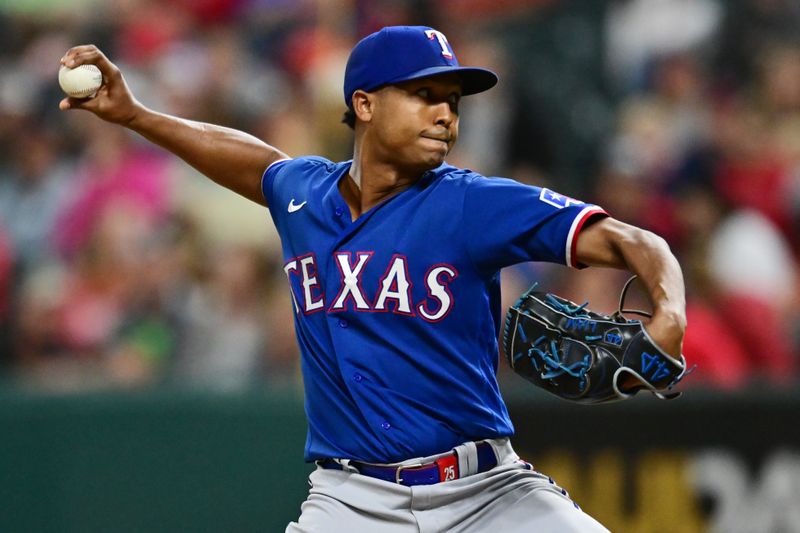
<point>77,103</point>
<point>90,54</point>
<point>77,49</point>
<point>70,57</point>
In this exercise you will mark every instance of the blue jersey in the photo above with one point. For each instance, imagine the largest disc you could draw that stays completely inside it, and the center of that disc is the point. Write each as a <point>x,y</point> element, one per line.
<point>397,314</point>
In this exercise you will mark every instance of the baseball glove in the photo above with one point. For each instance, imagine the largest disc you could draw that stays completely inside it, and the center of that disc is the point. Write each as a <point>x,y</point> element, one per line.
<point>583,356</point>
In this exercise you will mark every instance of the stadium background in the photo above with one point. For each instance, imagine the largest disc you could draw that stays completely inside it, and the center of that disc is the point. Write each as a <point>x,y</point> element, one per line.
<point>149,372</point>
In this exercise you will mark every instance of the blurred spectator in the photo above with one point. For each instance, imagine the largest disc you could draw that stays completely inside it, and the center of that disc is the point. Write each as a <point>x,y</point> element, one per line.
<point>38,341</point>
<point>114,175</point>
<point>751,173</point>
<point>148,27</point>
<point>749,26</point>
<point>224,337</point>
<point>34,186</point>
<point>762,285</point>
<point>660,127</point>
<point>640,31</point>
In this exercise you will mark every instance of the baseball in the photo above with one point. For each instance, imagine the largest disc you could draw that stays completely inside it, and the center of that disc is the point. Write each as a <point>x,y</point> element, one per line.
<point>81,81</point>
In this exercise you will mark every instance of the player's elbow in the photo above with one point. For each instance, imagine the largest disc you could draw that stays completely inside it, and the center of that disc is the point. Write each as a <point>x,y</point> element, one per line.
<point>638,238</point>
<point>612,243</point>
<point>637,246</point>
<point>627,242</point>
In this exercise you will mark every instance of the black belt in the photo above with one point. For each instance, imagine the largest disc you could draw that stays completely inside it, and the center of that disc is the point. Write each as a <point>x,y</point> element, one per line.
<point>442,469</point>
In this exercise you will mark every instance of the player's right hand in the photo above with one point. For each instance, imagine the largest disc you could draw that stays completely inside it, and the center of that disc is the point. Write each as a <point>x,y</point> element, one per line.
<point>114,101</point>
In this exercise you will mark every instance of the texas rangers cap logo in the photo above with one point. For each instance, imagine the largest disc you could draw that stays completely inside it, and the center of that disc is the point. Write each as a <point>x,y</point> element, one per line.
<point>439,36</point>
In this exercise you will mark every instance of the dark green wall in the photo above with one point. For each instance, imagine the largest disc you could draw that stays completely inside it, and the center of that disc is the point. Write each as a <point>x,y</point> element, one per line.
<point>190,462</point>
<point>151,463</point>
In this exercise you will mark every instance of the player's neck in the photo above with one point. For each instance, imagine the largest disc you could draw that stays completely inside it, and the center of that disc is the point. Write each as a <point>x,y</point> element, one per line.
<point>372,181</point>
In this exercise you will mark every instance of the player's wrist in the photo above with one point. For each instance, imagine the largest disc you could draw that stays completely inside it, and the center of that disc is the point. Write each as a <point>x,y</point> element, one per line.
<point>666,330</point>
<point>136,117</point>
<point>671,317</point>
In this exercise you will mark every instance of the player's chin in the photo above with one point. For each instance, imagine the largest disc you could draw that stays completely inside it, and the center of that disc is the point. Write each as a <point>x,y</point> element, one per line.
<point>434,156</point>
<point>429,163</point>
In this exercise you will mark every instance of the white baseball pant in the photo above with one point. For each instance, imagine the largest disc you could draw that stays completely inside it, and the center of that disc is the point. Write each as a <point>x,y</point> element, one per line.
<point>510,498</point>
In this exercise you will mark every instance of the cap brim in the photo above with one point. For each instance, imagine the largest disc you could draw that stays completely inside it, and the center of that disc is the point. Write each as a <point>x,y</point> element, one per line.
<point>474,80</point>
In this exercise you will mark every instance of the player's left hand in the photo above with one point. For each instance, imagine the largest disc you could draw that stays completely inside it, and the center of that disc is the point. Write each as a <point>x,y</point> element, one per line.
<point>584,356</point>
<point>667,330</point>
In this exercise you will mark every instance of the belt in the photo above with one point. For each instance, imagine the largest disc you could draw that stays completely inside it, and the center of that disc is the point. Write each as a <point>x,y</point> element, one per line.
<point>444,468</point>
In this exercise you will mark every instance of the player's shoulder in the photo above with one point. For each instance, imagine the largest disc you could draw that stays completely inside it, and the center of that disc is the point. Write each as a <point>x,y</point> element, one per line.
<point>451,176</point>
<point>304,164</point>
<point>468,178</point>
<point>480,188</point>
<point>292,174</point>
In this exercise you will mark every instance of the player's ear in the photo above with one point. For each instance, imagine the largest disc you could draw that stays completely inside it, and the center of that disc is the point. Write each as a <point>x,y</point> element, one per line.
<point>363,105</point>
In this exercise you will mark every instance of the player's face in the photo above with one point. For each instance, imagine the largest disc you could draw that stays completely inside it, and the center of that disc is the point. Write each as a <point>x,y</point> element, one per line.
<point>416,122</point>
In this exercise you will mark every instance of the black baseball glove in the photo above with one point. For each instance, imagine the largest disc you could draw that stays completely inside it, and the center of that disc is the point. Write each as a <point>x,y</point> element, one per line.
<point>583,356</point>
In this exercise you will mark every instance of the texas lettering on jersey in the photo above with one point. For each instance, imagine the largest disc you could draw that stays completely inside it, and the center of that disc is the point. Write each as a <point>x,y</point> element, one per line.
<point>393,291</point>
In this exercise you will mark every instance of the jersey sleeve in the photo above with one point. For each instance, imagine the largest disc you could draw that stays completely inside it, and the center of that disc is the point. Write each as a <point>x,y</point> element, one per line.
<point>507,222</point>
<point>268,178</point>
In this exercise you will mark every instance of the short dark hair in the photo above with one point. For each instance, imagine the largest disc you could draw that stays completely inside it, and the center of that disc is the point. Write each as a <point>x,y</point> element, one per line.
<point>349,118</point>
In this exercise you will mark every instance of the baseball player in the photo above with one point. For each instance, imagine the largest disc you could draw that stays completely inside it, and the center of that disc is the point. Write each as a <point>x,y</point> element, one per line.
<point>393,262</point>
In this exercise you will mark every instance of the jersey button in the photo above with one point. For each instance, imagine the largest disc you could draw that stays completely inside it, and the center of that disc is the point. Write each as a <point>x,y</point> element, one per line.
<point>386,425</point>
<point>338,211</point>
<point>343,323</point>
<point>357,377</point>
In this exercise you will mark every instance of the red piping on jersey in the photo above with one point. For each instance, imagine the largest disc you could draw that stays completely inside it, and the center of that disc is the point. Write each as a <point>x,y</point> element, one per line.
<point>573,246</point>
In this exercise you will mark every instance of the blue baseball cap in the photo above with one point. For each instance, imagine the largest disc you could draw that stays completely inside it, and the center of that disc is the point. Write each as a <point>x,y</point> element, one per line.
<point>402,53</point>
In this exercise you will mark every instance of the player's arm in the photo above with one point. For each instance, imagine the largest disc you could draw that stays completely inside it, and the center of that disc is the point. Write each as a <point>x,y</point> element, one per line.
<point>611,243</point>
<point>230,157</point>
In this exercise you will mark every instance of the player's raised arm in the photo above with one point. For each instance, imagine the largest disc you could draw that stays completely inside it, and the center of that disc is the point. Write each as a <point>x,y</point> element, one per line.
<point>230,157</point>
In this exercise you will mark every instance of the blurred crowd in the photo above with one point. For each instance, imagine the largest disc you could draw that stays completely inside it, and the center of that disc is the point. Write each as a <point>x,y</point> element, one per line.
<point>120,266</point>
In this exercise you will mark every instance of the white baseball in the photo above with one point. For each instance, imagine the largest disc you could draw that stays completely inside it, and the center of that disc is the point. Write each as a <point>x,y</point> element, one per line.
<point>81,81</point>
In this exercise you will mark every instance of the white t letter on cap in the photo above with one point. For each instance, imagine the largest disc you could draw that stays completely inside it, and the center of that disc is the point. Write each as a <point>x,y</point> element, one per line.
<point>442,42</point>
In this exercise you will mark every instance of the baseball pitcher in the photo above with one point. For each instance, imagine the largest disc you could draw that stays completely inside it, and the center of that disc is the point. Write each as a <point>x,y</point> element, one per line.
<point>393,261</point>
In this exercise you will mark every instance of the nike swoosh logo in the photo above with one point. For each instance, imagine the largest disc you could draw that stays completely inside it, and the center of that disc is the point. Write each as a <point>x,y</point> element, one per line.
<point>295,207</point>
